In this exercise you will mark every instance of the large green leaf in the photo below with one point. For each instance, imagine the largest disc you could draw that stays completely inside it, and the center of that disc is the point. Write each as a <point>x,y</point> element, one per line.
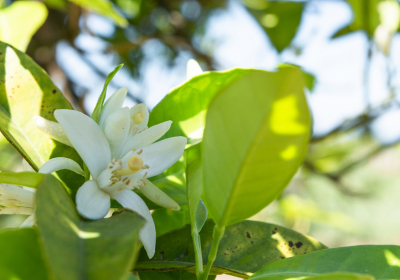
<point>81,249</point>
<point>379,261</point>
<point>19,21</point>
<point>167,220</point>
<point>187,104</point>
<point>104,8</point>
<point>256,137</point>
<point>27,91</point>
<point>280,20</point>
<point>245,248</point>
<point>336,276</point>
<point>21,256</point>
<point>169,275</point>
<point>27,179</point>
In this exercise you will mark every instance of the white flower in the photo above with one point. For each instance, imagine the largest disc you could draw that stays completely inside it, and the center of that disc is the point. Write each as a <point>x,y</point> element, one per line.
<point>122,165</point>
<point>21,200</point>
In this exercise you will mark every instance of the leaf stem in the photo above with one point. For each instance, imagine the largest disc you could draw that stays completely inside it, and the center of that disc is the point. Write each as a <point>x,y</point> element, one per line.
<point>217,236</point>
<point>198,256</point>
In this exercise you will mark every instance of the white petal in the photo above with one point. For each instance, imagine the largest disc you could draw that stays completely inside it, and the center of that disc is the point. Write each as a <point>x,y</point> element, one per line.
<point>59,163</point>
<point>159,156</point>
<point>156,195</point>
<point>131,200</point>
<point>140,108</point>
<point>146,137</point>
<point>113,104</point>
<point>17,196</point>
<point>91,202</point>
<point>192,69</point>
<point>16,210</point>
<point>87,138</point>
<point>116,129</point>
<point>29,222</point>
<point>52,129</point>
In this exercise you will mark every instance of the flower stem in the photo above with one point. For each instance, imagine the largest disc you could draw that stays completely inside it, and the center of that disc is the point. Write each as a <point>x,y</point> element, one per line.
<point>217,236</point>
<point>197,252</point>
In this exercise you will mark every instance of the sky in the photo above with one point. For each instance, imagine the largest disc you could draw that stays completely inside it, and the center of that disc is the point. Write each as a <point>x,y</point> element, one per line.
<point>338,64</point>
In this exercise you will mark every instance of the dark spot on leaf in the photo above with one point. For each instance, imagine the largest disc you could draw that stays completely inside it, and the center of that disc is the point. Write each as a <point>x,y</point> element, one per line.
<point>1,53</point>
<point>291,244</point>
<point>54,91</point>
<point>251,242</point>
<point>183,255</point>
<point>282,257</point>
<point>162,255</point>
<point>299,244</point>
<point>248,235</point>
<point>273,232</point>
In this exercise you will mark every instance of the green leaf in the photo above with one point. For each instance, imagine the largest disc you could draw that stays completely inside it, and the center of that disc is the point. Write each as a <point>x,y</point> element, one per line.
<point>100,102</point>
<point>245,248</point>
<point>27,91</point>
<point>167,220</point>
<point>104,8</point>
<point>19,21</point>
<point>379,261</point>
<point>194,187</point>
<point>187,104</point>
<point>280,20</point>
<point>81,249</point>
<point>21,255</point>
<point>169,275</point>
<point>336,276</point>
<point>257,134</point>
<point>365,17</point>
<point>27,179</point>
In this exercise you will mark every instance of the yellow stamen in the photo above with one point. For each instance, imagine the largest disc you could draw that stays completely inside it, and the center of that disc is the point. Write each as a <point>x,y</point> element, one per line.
<point>134,165</point>
<point>138,118</point>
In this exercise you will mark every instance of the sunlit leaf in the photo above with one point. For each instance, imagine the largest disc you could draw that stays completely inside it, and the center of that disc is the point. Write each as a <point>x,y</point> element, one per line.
<point>104,8</point>
<point>21,256</point>
<point>335,276</point>
<point>27,179</point>
<point>379,261</point>
<point>81,249</point>
<point>365,17</point>
<point>19,21</point>
<point>187,104</point>
<point>27,91</point>
<point>279,19</point>
<point>246,247</point>
<point>257,133</point>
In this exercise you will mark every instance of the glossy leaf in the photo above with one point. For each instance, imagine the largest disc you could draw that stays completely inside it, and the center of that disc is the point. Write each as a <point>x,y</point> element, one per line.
<point>245,248</point>
<point>280,20</point>
<point>27,179</point>
<point>19,21</point>
<point>21,255</point>
<point>379,261</point>
<point>187,104</point>
<point>27,91</point>
<point>104,8</point>
<point>169,275</point>
<point>81,249</point>
<point>167,220</point>
<point>257,134</point>
<point>100,102</point>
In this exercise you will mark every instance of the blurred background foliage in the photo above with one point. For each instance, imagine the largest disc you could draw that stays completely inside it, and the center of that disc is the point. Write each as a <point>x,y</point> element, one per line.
<point>348,189</point>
